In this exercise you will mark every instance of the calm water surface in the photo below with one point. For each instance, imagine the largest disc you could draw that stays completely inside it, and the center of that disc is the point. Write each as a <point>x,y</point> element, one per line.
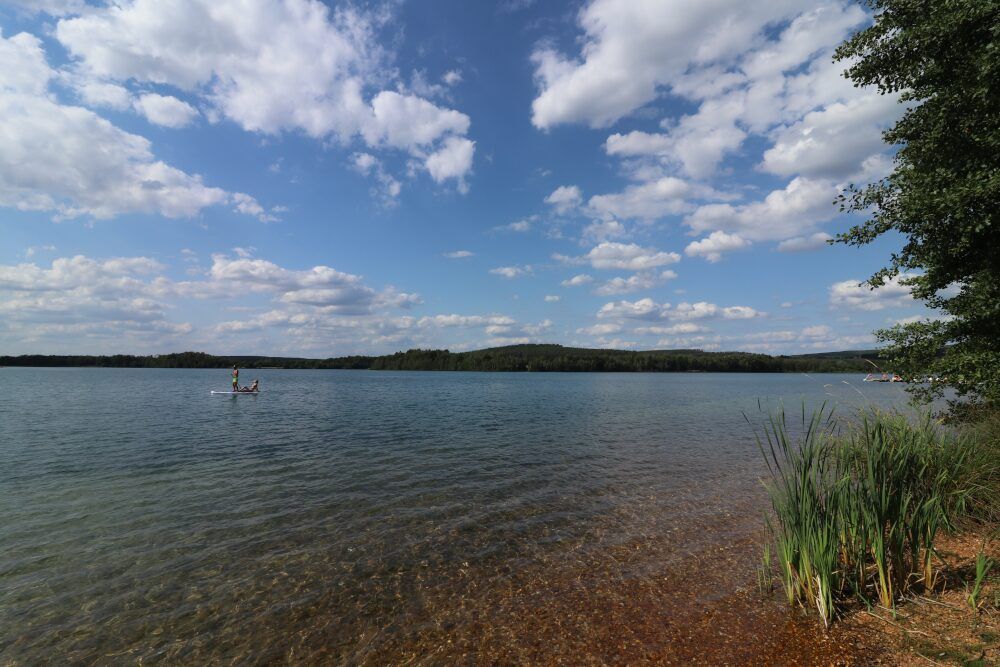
<point>361,516</point>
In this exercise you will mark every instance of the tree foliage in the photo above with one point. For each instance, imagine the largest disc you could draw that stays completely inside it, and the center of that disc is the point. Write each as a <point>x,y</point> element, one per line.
<point>943,195</point>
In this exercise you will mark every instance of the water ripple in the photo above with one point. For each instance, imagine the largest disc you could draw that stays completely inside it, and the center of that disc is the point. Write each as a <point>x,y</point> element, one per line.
<point>351,516</point>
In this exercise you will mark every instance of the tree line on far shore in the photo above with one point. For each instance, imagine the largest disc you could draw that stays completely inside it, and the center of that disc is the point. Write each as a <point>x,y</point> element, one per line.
<point>541,358</point>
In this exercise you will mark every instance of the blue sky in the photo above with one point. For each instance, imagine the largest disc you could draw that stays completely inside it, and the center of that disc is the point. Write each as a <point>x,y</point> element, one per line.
<point>298,178</point>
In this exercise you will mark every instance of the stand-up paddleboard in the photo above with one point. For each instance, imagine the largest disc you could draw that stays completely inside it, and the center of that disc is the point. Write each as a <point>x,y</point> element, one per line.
<point>236,393</point>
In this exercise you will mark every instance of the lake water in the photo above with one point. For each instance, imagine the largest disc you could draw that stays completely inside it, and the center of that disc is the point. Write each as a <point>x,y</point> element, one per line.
<point>372,517</point>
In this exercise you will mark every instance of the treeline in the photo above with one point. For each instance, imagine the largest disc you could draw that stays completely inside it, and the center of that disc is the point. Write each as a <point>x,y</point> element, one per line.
<point>558,358</point>
<point>539,358</point>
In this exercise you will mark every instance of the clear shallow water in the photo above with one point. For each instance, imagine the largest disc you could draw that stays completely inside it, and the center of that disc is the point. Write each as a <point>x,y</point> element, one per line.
<point>352,516</point>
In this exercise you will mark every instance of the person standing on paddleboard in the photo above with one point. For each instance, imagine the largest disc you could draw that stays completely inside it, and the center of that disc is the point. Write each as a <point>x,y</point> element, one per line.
<point>236,378</point>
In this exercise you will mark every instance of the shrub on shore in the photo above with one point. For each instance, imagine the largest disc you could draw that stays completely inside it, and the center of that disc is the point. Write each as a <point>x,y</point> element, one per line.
<point>858,507</point>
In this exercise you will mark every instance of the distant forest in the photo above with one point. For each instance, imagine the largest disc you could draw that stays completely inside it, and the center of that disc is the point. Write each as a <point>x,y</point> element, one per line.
<point>539,358</point>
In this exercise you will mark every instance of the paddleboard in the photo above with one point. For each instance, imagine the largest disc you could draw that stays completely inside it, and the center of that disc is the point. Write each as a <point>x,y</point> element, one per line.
<point>234,393</point>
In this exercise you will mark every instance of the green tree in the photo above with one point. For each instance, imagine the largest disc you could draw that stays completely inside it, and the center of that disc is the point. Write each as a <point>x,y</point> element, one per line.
<point>943,195</point>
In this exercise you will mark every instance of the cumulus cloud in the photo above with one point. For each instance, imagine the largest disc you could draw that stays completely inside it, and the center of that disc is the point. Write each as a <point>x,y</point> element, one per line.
<point>804,243</point>
<point>165,110</point>
<point>129,301</point>
<point>696,143</point>
<point>577,280</point>
<point>551,298</point>
<point>367,164</point>
<point>602,230</point>
<point>630,49</point>
<point>623,256</point>
<point>95,169</point>
<point>852,294</point>
<point>452,160</point>
<point>746,78</point>
<point>103,95</point>
<point>643,309</point>
<point>782,214</point>
<point>638,282</point>
<point>602,329</point>
<point>565,198</point>
<point>83,297</point>
<point>652,200</point>
<point>672,330</point>
<point>832,142</point>
<point>270,66</point>
<point>716,243</point>
<point>648,309</point>
<point>522,225</point>
<point>510,272</point>
<point>459,254</point>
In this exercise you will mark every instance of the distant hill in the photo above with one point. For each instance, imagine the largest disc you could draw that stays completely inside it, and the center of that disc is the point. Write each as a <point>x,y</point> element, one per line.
<point>538,358</point>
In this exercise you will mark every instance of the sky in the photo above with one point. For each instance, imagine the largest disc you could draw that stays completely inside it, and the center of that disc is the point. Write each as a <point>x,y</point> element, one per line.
<point>293,177</point>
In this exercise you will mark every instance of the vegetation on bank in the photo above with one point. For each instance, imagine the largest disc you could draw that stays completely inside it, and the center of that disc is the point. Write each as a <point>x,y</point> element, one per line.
<point>857,509</point>
<point>510,358</point>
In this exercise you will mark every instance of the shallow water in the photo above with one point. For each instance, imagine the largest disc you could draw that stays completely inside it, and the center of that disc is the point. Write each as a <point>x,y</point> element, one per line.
<point>368,517</point>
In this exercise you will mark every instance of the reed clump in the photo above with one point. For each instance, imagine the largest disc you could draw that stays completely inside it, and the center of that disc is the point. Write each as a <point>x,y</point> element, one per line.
<point>858,506</point>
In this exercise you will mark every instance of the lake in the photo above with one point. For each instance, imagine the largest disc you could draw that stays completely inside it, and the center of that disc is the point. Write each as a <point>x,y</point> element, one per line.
<point>372,517</point>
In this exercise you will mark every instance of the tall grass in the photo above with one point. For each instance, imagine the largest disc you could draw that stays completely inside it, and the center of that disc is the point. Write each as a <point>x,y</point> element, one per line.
<point>857,507</point>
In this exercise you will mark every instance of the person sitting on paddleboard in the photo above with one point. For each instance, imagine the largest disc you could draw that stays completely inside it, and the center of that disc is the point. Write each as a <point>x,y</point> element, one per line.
<point>236,378</point>
<point>253,387</point>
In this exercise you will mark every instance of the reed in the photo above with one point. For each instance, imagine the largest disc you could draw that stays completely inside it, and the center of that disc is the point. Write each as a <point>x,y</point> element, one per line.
<point>857,507</point>
<point>983,567</point>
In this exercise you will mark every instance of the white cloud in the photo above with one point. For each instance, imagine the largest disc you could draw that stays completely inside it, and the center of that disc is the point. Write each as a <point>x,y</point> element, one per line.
<point>455,320</point>
<point>804,243</point>
<point>82,299</point>
<point>244,203</point>
<point>24,69</point>
<point>623,256</point>
<point>651,200</point>
<point>633,47</point>
<point>565,198</point>
<point>165,110</point>
<point>696,143</point>
<point>32,250</point>
<point>459,254</point>
<point>602,329</point>
<point>95,169</point>
<point>782,214</point>
<point>833,141</point>
<point>765,70</point>
<point>716,243</point>
<point>637,143</point>
<point>852,294</point>
<point>101,94</point>
<point>522,225</point>
<point>672,330</point>
<point>648,309</point>
<point>452,77</point>
<point>643,309</point>
<point>602,230</point>
<point>452,160</point>
<point>818,331</point>
<point>703,309</point>
<point>271,66</point>
<point>635,283</point>
<point>552,298</point>
<point>510,272</point>
<point>52,7</point>
<point>367,164</point>
<point>577,280</point>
